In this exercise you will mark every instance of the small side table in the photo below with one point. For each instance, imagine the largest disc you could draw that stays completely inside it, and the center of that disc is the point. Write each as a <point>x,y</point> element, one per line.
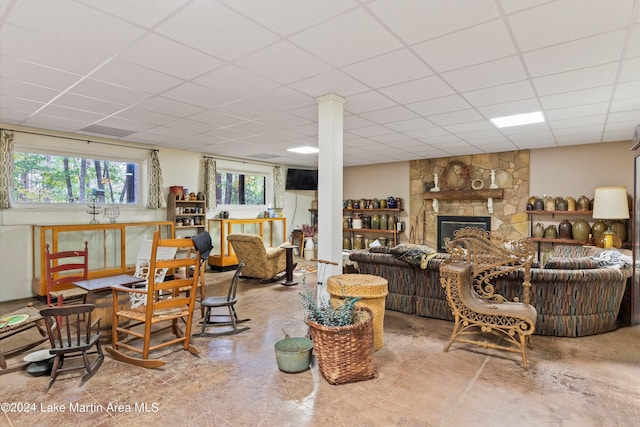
<point>33,319</point>
<point>290,266</point>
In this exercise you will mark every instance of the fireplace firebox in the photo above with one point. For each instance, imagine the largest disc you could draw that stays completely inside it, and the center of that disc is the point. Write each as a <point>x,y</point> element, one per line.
<point>448,224</point>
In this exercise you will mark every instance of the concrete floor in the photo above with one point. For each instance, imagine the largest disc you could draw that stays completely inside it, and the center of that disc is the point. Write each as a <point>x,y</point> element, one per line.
<point>589,381</point>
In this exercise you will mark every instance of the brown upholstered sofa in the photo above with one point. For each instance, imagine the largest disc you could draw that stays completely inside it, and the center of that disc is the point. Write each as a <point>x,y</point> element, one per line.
<point>569,302</point>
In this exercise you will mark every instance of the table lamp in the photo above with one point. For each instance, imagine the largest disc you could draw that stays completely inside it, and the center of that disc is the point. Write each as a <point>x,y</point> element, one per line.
<point>610,203</point>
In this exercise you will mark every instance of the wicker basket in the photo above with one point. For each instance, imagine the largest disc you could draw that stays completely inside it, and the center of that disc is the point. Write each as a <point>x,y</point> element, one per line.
<point>345,353</point>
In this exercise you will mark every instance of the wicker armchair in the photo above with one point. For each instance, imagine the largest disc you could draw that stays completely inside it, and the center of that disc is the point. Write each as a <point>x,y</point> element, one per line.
<point>261,262</point>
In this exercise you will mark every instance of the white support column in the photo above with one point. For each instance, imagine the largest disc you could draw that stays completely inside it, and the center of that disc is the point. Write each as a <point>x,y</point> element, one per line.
<point>330,143</point>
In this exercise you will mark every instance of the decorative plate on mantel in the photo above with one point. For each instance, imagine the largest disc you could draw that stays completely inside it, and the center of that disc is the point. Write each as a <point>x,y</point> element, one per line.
<point>456,176</point>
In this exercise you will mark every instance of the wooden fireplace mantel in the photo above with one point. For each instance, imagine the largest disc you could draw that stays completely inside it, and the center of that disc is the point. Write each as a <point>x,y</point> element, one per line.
<point>497,193</point>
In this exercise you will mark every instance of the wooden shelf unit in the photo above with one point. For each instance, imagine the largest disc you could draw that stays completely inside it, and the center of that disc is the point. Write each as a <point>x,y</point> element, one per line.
<point>394,233</point>
<point>176,211</point>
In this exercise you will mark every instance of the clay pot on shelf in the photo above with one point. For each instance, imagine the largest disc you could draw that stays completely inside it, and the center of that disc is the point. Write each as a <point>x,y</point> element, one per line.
<point>571,204</point>
<point>538,230</point>
<point>584,204</point>
<point>538,205</point>
<point>581,230</point>
<point>384,221</point>
<point>346,243</point>
<point>597,230</point>
<point>619,228</point>
<point>565,230</point>
<point>561,204</point>
<point>551,232</point>
<point>358,242</point>
<point>375,222</point>
<point>550,204</point>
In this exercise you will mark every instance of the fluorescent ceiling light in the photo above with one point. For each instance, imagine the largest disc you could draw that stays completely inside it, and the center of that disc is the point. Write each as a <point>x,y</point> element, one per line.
<point>518,120</point>
<point>304,150</point>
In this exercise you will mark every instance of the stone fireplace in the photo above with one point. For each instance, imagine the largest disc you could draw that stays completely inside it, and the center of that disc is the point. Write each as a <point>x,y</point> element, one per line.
<point>468,195</point>
<point>448,224</point>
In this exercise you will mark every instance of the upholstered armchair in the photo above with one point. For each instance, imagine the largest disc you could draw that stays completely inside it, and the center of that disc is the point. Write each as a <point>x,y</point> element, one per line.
<point>262,262</point>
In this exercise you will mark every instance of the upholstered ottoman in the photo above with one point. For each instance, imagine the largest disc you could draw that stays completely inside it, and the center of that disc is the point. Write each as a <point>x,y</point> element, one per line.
<point>372,290</point>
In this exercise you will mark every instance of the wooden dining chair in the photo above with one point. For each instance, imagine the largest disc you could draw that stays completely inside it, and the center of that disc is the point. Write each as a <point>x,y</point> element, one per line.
<point>167,307</point>
<point>229,301</point>
<point>72,333</point>
<point>61,270</point>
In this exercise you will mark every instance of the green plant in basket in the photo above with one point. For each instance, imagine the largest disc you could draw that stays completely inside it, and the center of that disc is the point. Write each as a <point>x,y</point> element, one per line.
<point>327,314</point>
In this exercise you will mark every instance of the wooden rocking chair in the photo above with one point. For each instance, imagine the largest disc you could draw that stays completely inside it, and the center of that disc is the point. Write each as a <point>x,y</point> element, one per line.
<point>477,259</point>
<point>166,302</point>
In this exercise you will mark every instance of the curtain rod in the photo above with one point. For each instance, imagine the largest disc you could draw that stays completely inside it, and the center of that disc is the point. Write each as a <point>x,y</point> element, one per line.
<point>232,159</point>
<point>73,138</point>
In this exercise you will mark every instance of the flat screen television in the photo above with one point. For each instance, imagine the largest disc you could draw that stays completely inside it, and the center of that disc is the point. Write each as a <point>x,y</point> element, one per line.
<point>302,179</point>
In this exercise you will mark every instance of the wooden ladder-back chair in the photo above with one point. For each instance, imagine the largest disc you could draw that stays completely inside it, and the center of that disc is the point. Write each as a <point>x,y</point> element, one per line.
<point>73,334</point>
<point>228,301</point>
<point>477,259</point>
<point>165,303</point>
<point>61,270</point>
<point>202,246</point>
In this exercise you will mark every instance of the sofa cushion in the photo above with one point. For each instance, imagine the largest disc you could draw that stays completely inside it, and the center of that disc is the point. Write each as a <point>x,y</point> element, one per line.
<point>379,250</point>
<point>581,263</point>
<point>417,255</point>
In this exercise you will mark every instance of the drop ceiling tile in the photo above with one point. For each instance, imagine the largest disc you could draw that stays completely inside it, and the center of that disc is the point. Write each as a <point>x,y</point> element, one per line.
<point>48,51</point>
<point>146,13</point>
<point>366,38</point>
<point>310,129</point>
<point>625,105</point>
<point>575,55</point>
<point>442,141</point>
<point>194,26</point>
<point>54,123</point>
<point>419,20</point>
<point>481,43</point>
<point>392,139</point>
<point>249,127</point>
<point>506,70</point>
<point>578,111</point>
<point>600,75</point>
<point>20,104</point>
<point>625,116</point>
<point>309,112</point>
<point>247,109</point>
<point>354,122</point>
<point>145,116</point>
<point>577,97</point>
<point>633,48</point>
<point>483,134</point>
<point>200,96</point>
<point>388,69</point>
<point>109,92</point>
<point>532,129</point>
<point>367,101</point>
<point>630,69</point>
<point>512,6</point>
<point>509,108</point>
<point>426,132</point>
<point>71,114</point>
<point>119,123</point>
<point>12,116</point>
<point>333,81</point>
<point>27,91</point>
<point>461,128</point>
<point>627,90</point>
<point>286,17</point>
<point>371,131</point>
<point>579,121</point>
<point>283,99</point>
<point>563,21</point>
<point>132,76</point>
<point>581,130</point>
<point>85,103</point>
<point>55,20</point>
<point>500,94</point>
<point>441,105</point>
<point>387,115</point>
<point>169,57</point>
<point>188,125</point>
<point>462,116</point>
<point>285,120</point>
<point>234,80</point>
<point>418,90</point>
<point>284,63</point>
<point>12,68</point>
<point>169,107</point>
<point>411,124</point>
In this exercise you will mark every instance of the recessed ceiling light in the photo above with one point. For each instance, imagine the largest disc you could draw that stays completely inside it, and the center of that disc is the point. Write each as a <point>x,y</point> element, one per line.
<point>518,120</point>
<point>304,150</point>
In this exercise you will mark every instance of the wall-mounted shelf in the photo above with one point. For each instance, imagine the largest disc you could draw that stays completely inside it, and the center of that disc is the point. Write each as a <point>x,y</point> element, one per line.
<point>443,195</point>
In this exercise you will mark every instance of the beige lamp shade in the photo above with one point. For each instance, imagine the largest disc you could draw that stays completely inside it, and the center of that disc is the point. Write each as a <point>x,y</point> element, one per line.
<point>610,203</point>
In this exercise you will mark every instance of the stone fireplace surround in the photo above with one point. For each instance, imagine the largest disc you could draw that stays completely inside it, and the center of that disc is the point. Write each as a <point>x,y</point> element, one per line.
<point>509,216</point>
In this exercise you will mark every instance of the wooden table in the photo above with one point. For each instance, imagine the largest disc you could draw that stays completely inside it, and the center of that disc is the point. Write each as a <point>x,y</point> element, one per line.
<point>33,320</point>
<point>101,296</point>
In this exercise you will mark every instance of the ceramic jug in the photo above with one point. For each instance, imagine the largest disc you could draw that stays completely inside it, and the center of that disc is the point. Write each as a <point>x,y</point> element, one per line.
<point>551,232</point>
<point>619,228</point>
<point>581,230</point>
<point>561,204</point>
<point>538,205</point>
<point>346,243</point>
<point>584,204</point>
<point>571,204</point>
<point>358,242</point>
<point>550,204</point>
<point>538,230</point>
<point>366,221</point>
<point>597,230</point>
<point>375,222</point>
<point>565,230</point>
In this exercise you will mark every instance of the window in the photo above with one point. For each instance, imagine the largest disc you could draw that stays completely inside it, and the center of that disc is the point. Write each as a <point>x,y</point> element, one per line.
<point>48,178</point>
<point>240,189</point>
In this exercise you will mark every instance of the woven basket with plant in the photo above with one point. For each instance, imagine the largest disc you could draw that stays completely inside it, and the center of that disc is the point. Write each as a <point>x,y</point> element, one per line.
<point>342,339</point>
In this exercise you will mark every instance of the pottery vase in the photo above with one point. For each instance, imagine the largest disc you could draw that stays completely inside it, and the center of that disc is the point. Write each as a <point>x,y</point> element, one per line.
<point>565,230</point>
<point>538,230</point>
<point>597,230</point>
<point>551,232</point>
<point>581,230</point>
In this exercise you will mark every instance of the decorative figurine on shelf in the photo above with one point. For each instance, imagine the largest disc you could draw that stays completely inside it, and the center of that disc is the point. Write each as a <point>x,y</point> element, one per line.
<point>93,208</point>
<point>490,205</point>
<point>436,206</point>
<point>435,182</point>
<point>493,185</point>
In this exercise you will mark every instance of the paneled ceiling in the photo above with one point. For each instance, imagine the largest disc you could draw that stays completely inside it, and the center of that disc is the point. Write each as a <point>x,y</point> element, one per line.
<point>240,78</point>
